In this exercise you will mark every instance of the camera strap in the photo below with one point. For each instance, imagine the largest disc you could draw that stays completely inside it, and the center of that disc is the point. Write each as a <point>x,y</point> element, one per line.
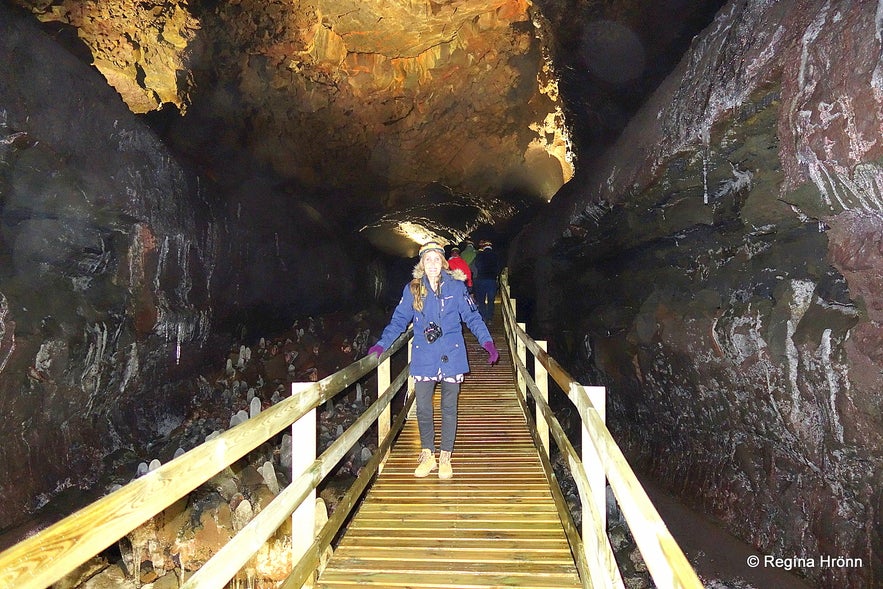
<point>440,300</point>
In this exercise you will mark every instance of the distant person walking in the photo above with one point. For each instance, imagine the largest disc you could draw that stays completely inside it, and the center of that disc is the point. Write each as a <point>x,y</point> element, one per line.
<point>437,303</point>
<point>467,252</point>
<point>485,269</point>
<point>458,263</point>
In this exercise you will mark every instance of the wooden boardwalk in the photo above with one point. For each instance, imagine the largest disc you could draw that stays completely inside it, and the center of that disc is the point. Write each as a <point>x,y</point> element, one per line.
<point>493,525</point>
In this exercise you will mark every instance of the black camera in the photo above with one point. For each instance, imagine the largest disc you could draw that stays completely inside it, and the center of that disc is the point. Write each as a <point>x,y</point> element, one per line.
<point>432,332</point>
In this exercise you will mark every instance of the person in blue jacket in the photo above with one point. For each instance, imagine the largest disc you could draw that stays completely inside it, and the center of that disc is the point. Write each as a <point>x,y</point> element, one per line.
<point>436,301</point>
<point>485,270</point>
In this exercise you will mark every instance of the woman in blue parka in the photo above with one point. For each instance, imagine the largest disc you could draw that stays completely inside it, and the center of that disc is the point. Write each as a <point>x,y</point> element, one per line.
<point>436,301</point>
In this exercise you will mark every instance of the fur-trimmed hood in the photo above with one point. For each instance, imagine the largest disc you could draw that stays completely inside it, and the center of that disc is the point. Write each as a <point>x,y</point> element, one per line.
<point>455,274</point>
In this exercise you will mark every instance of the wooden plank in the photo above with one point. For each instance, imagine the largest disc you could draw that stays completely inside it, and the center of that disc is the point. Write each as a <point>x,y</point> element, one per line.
<point>521,535</point>
<point>456,553</point>
<point>444,579</point>
<point>472,508</point>
<point>470,467</point>
<point>435,496</point>
<point>447,524</point>
<point>472,487</point>
<point>417,567</point>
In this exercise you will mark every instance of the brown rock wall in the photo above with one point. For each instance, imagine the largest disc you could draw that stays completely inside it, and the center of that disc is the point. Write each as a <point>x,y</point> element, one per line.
<point>119,270</point>
<point>137,46</point>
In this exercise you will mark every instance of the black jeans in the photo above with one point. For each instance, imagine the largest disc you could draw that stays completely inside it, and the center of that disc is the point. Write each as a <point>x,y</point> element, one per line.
<point>424,390</point>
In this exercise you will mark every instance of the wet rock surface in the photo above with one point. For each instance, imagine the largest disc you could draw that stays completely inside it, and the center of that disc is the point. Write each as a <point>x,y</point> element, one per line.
<point>715,272</point>
<point>123,274</point>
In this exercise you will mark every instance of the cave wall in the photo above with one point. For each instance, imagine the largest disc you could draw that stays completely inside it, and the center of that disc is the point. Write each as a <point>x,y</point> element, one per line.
<point>105,268</point>
<point>118,267</point>
<point>720,271</point>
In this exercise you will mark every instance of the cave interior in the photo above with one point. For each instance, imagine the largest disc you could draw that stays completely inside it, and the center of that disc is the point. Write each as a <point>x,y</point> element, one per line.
<point>688,196</point>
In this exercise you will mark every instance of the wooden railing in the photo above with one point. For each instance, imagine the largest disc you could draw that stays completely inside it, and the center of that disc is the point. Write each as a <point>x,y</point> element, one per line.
<point>53,553</point>
<point>600,463</point>
<point>60,549</point>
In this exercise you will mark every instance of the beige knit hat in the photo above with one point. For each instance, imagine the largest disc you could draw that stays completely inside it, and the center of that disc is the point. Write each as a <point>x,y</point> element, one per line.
<point>432,246</point>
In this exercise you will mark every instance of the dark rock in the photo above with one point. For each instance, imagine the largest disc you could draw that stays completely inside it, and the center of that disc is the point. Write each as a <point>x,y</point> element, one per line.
<point>719,272</point>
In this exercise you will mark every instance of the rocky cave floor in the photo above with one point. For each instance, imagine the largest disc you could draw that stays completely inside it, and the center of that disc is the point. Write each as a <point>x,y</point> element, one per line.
<point>259,376</point>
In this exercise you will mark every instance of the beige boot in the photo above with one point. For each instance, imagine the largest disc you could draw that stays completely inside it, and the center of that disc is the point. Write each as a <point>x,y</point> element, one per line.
<point>426,463</point>
<point>444,465</point>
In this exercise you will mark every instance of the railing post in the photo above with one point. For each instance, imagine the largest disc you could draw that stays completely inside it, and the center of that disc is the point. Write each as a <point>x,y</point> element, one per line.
<point>541,377</point>
<point>510,329</point>
<point>303,454</point>
<point>521,350</point>
<point>383,420</point>
<point>597,395</point>
<point>597,483</point>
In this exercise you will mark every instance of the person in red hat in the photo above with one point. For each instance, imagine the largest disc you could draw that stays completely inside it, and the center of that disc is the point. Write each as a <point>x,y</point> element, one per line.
<point>437,302</point>
<point>457,263</point>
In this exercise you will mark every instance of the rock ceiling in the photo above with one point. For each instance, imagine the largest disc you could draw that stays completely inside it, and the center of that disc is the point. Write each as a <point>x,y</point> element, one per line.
<point>394,107</point>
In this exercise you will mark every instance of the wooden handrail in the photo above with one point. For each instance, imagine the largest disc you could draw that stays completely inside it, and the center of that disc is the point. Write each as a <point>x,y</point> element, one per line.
<point>225,563</point>
<point>604,550</point>
<point>46,557</point>
<point>665,561</point>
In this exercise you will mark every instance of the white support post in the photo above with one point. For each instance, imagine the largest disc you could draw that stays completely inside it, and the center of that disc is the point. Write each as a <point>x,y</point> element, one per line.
<point>510,329</point>
<point>541,377</point>
<point>597,483</point>
<point>383,420</point>
<point>521,350</point>
<point>303,454</point>
<point>514,313</point>
<point>597,395</point>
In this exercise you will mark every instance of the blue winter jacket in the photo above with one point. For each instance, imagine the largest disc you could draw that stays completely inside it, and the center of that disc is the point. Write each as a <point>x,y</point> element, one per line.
<point>447,309</point>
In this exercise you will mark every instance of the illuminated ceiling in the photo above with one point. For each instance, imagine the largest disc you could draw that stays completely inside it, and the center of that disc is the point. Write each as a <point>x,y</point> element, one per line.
<point>393,110</point>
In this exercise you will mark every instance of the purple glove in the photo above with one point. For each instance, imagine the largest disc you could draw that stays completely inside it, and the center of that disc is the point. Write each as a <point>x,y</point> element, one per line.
<point>376,349</point>
<point>494,355</point>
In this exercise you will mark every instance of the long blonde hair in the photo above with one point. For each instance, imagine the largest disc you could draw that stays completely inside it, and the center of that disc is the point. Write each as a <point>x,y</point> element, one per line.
<point>418,287</point>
